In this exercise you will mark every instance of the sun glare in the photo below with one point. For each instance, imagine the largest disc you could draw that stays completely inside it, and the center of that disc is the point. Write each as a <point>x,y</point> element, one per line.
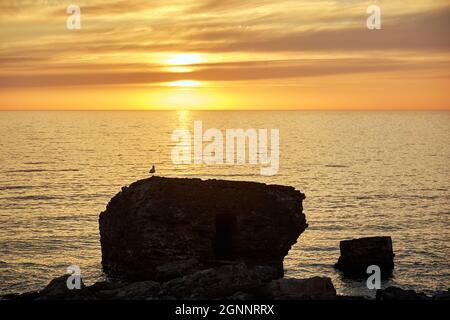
<point>184,83</point>
<point>184,59</point>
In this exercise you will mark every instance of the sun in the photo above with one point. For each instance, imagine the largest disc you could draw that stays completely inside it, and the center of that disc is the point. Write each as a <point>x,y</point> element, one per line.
<point>183,59</point>
<point>184,83</point>
<point>182,62</point>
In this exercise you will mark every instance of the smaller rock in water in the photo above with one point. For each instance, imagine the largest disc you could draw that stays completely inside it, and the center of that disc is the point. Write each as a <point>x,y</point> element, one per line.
<point>358,254</point>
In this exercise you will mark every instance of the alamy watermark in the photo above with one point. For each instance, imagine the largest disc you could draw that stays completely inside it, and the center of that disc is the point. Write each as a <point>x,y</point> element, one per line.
<point>74,280</point>
<point>74,20</point>
<point>374,20</point>
<point>234,146</point>
<point>374,280</point>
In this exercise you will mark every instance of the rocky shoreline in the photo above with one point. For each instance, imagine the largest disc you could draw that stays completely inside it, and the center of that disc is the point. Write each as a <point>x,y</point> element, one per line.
<point>189,239</point>
<point>228,282</point>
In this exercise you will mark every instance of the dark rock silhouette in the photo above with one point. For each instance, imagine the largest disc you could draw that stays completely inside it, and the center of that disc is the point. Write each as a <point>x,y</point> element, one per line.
<point>394,293</point>
<point>57,290</point>
<point>229,282</point>
<point>316,288</point>
<point>215,283</point>
<point>162,228</point>
<point>135,291</point>
<point>358,254</point>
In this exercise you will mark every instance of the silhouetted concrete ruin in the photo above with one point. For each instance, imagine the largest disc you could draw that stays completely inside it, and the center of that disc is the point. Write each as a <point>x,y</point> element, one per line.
<point>160,228</point>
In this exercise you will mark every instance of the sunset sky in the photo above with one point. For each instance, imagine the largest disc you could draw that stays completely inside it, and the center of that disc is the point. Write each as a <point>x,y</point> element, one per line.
<point>224,54</point>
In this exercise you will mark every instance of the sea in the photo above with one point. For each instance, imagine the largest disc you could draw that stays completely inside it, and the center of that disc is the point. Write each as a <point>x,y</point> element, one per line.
<point>364,173</point>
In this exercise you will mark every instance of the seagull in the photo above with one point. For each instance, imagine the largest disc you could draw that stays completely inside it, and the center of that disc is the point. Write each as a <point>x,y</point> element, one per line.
<point>152,170</point>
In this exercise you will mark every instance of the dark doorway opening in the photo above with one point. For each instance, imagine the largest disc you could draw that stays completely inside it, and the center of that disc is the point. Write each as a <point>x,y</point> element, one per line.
<point>225,226</point>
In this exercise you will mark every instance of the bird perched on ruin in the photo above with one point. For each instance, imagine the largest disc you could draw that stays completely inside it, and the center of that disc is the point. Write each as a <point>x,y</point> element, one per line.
<point>152,170</point>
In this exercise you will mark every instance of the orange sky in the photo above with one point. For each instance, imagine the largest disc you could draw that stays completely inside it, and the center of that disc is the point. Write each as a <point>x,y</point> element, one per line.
<point>224,54</point>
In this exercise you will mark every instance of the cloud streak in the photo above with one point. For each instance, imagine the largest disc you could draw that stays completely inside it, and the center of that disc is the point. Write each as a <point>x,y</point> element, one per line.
<point>238,71</point>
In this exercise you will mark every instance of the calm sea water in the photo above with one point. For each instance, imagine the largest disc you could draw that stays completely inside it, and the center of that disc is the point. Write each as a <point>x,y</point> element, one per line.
<point>364,174</point>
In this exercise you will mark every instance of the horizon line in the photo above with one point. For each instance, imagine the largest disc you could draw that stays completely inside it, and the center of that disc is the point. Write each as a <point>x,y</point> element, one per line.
<point>274,109</point>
